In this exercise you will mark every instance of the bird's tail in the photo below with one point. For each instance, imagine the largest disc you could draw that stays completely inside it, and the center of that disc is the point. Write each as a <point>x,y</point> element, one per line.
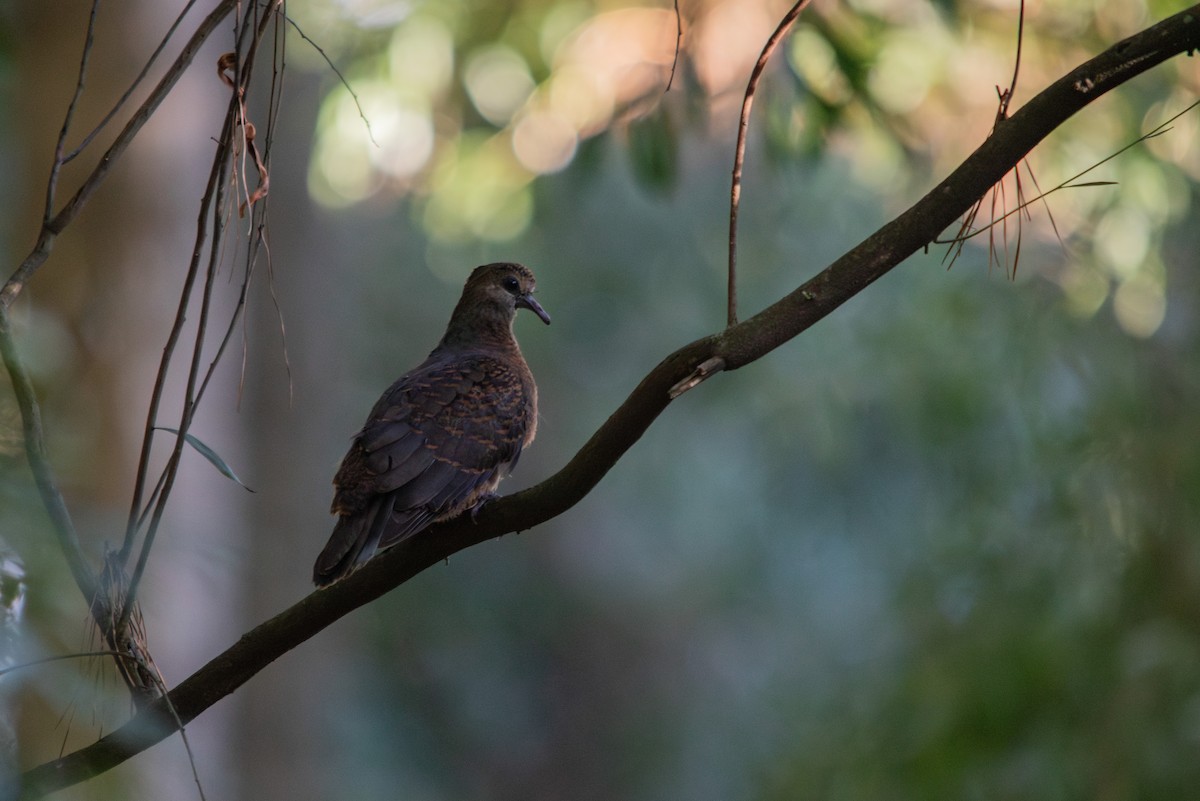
<point>354,540</point>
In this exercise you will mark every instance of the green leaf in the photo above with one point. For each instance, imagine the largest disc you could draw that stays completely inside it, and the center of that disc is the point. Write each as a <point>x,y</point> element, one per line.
<point>209,454</point>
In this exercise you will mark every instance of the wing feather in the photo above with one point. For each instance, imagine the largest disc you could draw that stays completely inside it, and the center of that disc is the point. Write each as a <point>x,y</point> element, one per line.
<point>437,442</point>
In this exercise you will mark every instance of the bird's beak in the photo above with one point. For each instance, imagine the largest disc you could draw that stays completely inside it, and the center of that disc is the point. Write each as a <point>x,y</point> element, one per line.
<point>527,302</point>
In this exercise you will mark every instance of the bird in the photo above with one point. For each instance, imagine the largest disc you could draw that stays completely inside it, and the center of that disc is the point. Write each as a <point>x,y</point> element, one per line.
<point>440,439</point>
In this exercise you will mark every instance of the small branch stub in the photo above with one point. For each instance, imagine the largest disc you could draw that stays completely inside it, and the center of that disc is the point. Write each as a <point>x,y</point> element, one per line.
<point>706,368</point>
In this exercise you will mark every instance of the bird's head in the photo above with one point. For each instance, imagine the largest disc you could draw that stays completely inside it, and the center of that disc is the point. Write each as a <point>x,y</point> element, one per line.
<point>504,286</point>
<point>489,303</point>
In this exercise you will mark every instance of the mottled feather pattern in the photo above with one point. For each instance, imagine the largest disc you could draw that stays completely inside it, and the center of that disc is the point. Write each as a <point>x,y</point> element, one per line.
<point>442,436</point>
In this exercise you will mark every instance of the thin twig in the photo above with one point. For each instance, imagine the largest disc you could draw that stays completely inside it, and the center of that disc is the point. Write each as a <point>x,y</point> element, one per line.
<point>39,464</point>
<point>1016,259</point>
<point>141,76</point>
<point>965,231</point>
<point>1006,96</point>
<point>342,78</point>
<point>185,422</point>
<point>37,257</point>
<point>234,115</point>
<point>1049,212</point>
<point>213,189</point>
<point>213,200</point>
<point>120,656</point>
<point>46,660</point>
<point>283,337</point>
<point>60,145</point>
<point>678,41</point>
<point>277,77</point>
<point>999,195</point>
<point>735,193</point>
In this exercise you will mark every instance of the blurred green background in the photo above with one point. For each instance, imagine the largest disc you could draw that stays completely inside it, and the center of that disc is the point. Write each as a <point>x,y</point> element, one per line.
<point>943,545</point>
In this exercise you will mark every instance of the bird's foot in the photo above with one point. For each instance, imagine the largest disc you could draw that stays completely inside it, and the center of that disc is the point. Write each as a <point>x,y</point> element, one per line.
<point>483,501</point>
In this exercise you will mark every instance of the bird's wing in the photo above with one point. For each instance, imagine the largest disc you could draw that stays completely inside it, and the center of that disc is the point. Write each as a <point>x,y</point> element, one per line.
<point>436,443</point>
<point>440,438</point>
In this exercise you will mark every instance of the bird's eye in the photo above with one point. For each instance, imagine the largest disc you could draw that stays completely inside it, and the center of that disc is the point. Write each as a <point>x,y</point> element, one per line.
<point>511,284</point>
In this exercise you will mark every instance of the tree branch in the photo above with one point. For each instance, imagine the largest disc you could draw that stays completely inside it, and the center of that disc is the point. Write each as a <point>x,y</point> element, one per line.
<point>739,151</point>
<point>59,160</point>
<point>55,225</point>
<point>234,126</point>
<point>137,81</point>
<point>39,465</point>
<point>113,624</point>
<point>736,346</point>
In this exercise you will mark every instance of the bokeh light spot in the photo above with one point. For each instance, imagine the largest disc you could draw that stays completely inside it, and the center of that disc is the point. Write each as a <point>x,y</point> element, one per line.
<point>1123,240</point>
<point>421,56</point>
<point>1140,305</point>
<point>906,68</point>
<point>498,83</point>
<point>479,191</point>
<point>544,141</point>
<point>582,98</point>
<point>340,173</point>
<point>405,140</point>
<point>1085,290</point>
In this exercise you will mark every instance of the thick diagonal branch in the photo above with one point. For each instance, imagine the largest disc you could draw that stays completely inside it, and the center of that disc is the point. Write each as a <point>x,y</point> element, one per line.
<point>735,346</point>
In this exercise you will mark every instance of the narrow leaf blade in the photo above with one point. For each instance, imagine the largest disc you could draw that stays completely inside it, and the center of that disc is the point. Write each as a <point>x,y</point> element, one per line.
<point>212,456</point>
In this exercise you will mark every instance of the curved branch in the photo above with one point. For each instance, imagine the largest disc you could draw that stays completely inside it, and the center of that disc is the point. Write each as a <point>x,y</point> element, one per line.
<point>736,346</point>
<point>739,151</point>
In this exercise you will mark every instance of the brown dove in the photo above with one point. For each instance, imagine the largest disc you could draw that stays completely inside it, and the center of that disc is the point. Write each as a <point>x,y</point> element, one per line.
<point>441,438</point>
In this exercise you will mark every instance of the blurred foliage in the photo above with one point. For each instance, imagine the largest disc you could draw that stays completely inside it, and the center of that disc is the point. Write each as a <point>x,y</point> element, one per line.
<point>942,546</point>
<point>468,108</point>
<point>652,151</point>
<point>919,558</point>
